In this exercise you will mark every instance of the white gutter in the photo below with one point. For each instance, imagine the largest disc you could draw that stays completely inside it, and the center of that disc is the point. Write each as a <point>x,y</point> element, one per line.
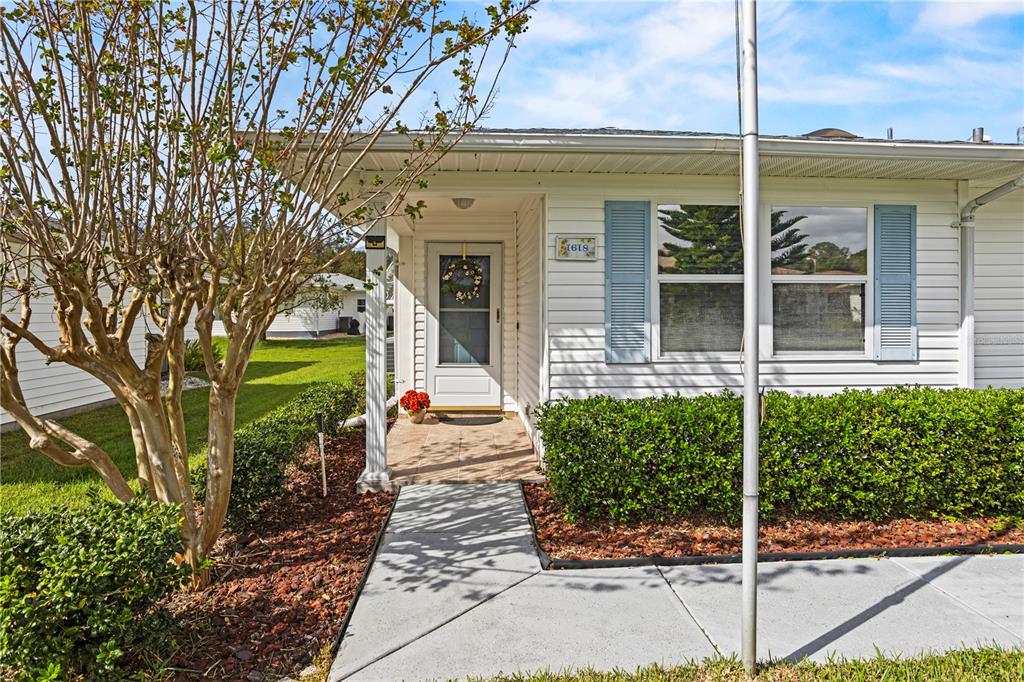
<point>486,141</point>
<point>966,226</point>
<point>972,206</point>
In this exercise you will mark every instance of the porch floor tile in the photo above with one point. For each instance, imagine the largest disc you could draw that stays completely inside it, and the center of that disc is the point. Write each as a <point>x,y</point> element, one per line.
<point>465,448</point>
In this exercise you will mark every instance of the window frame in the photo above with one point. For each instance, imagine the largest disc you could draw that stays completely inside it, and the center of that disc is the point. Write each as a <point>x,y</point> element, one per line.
<point>768,280</point>
<point>657,279</point>
<point>766,333</point>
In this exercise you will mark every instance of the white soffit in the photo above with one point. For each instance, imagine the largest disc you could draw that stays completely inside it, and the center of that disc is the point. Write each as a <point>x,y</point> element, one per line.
<point>697,154</point>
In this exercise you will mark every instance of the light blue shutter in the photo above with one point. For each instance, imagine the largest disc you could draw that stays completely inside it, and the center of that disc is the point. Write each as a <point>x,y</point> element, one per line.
<point>627,281</point>
<point>896,282</point>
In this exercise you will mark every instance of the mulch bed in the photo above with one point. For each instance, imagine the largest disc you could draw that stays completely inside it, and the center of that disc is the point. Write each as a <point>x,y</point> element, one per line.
<point>606,540</point>
<point>280,593</point>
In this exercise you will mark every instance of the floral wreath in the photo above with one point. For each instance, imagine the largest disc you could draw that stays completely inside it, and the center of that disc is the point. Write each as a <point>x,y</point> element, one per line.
<point>463,279</point>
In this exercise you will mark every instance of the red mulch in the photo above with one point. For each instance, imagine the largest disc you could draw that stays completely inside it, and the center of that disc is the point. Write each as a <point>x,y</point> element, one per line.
<point>279,594</point>
<point>606,540</point>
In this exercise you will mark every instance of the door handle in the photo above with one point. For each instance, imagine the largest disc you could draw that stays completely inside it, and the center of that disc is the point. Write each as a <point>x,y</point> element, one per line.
<point>498,310</point>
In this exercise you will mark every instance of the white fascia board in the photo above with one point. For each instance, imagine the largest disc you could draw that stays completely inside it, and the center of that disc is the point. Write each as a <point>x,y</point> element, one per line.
<point>626,143</point>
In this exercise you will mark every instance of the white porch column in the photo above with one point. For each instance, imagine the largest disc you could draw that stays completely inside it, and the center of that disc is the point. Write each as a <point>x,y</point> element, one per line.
<point>377,474</point>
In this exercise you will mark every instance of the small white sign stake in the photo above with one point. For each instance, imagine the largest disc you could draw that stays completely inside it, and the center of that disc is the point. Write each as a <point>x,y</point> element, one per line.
<point>323,458</point>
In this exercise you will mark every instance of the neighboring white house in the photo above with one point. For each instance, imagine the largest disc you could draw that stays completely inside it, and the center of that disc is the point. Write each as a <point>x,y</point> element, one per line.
<point>306,322</point>
<point>57,388</point>
<point>586,290</point>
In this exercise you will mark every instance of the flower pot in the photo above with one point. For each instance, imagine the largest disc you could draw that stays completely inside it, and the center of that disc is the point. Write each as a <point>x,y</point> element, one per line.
<point>418,416</point>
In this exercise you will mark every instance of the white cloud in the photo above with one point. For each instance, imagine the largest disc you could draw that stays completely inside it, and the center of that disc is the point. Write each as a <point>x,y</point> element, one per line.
<point>671,66</point>
<point>958,71</point>
<point>945,15</point>
<point>628,65</point>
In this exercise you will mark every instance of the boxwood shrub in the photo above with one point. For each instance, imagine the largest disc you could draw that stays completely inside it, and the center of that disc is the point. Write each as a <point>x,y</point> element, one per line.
<point>79,587</point>
<point>900,452</point>
<point>265,447</point>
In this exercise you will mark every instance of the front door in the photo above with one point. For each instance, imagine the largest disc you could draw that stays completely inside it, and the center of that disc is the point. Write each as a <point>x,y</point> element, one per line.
<point>463,325</point>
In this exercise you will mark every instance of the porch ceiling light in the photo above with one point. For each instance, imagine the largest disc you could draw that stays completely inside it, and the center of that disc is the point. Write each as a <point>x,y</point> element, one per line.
<point>463,202</point>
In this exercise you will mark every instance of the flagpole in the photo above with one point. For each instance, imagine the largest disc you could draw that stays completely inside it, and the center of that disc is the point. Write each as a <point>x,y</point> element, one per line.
<point>751,380</point>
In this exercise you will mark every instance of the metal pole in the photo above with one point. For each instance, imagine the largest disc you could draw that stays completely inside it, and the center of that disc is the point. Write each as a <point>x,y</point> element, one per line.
<point>751,379</point>
<point>323,457</point>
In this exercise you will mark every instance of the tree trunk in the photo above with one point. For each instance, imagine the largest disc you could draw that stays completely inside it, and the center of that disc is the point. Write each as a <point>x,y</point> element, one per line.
<point>141,451</point>
<point>157,437</point>
<point>219,463</point>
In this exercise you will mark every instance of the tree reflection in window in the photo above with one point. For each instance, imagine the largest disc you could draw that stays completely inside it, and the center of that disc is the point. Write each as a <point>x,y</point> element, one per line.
<point>706,240</point>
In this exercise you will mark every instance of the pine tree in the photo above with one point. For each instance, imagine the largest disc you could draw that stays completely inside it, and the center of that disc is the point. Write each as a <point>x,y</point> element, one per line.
<point>714,242</point>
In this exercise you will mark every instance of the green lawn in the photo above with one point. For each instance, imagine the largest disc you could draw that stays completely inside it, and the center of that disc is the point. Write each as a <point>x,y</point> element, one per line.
<point>983,665</point>
<point>279,370</point>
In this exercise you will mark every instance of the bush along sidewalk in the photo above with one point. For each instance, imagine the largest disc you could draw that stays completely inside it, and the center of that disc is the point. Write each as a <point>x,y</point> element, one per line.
<point>266,447</point>
<point>80,587</point>
<point>856,455</point>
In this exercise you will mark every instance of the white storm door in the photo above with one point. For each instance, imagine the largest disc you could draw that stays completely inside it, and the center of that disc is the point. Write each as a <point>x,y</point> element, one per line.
<point>463,360</point>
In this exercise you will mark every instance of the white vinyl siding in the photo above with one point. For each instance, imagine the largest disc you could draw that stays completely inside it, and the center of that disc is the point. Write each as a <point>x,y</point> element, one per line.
<point>999,291</point>
<point>576,294</point>
<point>58,387</point>
<point>528,309</point>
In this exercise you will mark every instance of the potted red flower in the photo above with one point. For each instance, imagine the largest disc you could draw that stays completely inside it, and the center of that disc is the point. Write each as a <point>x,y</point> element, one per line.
<point>415,403</point>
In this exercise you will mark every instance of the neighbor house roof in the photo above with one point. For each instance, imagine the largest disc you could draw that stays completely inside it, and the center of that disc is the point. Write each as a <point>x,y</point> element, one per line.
<point>614,150</point>
<point>339,280</point>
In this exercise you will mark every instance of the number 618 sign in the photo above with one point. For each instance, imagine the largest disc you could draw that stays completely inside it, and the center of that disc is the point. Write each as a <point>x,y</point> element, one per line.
<point>575,248</point>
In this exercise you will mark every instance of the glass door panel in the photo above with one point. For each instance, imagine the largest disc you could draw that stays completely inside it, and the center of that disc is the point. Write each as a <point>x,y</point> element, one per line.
<point>464,313</point>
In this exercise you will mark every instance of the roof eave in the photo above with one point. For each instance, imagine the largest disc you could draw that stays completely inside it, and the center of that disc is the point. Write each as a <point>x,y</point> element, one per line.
<point>709,144</point>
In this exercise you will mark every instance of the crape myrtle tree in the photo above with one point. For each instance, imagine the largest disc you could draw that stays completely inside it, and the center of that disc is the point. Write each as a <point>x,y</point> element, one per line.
<point>165,164</point>
<point>713,242</point>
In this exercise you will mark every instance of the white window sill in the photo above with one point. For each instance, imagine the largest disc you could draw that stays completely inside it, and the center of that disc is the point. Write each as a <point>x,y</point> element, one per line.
<point>822,355</point>
<point>670,358</point>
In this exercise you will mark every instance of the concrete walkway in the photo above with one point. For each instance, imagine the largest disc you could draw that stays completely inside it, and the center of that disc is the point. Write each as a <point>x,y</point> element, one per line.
<point>457,590</point>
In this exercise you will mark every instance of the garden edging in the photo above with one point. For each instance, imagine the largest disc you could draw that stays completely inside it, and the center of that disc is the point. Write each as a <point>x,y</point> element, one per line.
<point>362,581</point>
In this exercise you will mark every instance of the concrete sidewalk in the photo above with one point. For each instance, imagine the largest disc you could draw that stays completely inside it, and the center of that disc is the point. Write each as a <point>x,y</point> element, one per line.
<point>457,590</point>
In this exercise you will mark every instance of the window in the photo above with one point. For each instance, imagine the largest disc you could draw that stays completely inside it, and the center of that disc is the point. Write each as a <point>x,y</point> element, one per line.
<point>361,305</point>
<point>700,278</point>
<point>819,268</point>
<point>464,324</point>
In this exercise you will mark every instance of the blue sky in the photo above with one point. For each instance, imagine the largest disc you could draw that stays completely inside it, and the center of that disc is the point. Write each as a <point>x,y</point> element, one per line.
<point>930,70</point>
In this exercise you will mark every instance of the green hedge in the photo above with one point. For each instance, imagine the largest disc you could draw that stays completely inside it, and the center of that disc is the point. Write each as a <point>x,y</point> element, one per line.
<point>78,587</point>
<point>901,452</point>
<point>265,447</point>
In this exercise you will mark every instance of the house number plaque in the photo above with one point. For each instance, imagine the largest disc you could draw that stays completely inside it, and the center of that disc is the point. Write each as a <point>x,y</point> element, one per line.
<point>575,248</point>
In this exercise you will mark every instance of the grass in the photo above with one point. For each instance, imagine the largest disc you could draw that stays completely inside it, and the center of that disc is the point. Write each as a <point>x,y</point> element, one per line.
<point>967,665</point>
<point>278,371</point>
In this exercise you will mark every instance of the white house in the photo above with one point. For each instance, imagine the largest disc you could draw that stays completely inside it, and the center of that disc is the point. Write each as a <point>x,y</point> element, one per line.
<point>304,322</point>
<point>59,389</point>
<point>606,266</point>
